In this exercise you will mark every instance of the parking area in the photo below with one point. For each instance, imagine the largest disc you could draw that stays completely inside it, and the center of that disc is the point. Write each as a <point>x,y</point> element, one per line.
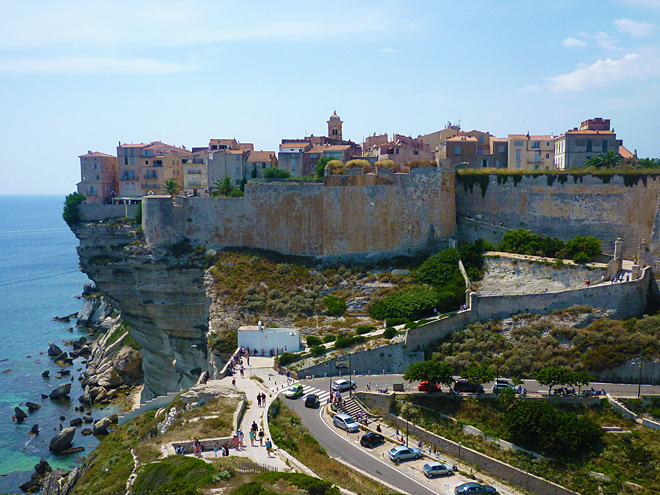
<point>413,468</point>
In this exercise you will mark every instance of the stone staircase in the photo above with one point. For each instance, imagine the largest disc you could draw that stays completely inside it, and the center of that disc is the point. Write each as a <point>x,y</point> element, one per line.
<point>352,407</point>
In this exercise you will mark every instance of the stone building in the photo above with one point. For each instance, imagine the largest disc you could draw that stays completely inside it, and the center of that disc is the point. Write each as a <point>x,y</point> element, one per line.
<point>527,152</point>
<point>594,137</point>
<point>98,177</point>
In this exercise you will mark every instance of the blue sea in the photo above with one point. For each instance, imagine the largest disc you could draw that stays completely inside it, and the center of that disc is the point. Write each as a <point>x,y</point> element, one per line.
<point>39,279</point>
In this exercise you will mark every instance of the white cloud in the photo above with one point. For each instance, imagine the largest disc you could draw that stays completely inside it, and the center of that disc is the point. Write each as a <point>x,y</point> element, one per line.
<point>42,23</point>
<point>534,88</point>
<point>570,42</point>
<point>387,50</point>
<point>87,65</point>
<point>603,72</point>
<point>634,28</point>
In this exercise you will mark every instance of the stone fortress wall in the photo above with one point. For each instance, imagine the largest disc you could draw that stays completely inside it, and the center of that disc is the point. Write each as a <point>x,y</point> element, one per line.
<point>586,207</point>
<point>354,215</point>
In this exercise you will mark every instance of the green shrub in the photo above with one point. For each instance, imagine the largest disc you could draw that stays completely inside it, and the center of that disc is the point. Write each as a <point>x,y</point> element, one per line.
<point>138,214</point>
<point>180,475</point>
<point>317,350</point>
<point>181,248</point>
<point>276,173</point>
<point>390,333</point>
<point>336,306</point>
<point>344,342</point>
<point>410,304</point>
<point>236,193</point>
<point>438,269</point>
<point>581,258</point>
<point>312,341</point>
<point>590,246</point>
<point>522,241</point>
<point>363,330</point>
<point>559,262</point>
<point>71,212</point>
<point>288,358</point>
<point>329,338</point>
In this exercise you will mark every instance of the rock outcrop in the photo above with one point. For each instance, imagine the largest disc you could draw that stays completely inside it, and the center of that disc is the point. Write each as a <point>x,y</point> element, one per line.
<point>62,441</point>
<point>61,391</point>
<point>20,414</point>
<point>101,426</point>
<point>162,299</point>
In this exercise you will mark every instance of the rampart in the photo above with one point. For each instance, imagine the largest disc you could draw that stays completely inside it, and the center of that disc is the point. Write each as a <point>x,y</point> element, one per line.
<point>625,298</point>
<point>585,205</point>
<point>354,215</point>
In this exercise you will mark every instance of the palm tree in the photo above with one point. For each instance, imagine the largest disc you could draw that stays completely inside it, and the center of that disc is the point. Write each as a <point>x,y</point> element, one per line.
<point>608,159</point>
<point>171,187</point>
<point>222,187</point>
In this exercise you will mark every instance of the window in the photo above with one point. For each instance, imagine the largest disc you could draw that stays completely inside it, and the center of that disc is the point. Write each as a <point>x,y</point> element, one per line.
<point>537,167</point>
<point>481,139</point>
<point>589,146</point>
<point>484,162</point>
<point>517,143</point>
<point>498,163</point>
<point>547,155</point>
<point>537,157</point>
<point>500,148</point>
<point>415,152</point>
<point>96,166</point>
<point>517,154</point>
<point>125,161</point>
<point>604,146</point>
<point>98,177</point>
<point>536,144</point>
<point>107,188</point>
<point>91,190</point>
<point>518,165</point>
<point>457,149</point>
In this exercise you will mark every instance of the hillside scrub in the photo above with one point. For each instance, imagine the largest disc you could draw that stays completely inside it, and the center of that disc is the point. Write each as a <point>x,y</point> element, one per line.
<point>581,249</point>
<point>622,457</point>
<point>533,342</point>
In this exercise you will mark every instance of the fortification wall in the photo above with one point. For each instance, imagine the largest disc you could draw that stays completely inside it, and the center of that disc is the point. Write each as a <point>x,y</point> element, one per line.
<point>625,298</point>
<point>353,215</point>
<point>585,207</point>
<point>98,211</point>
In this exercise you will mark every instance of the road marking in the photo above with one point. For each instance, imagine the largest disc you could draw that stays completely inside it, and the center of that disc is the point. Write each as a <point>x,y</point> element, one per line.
<point>334,430</point>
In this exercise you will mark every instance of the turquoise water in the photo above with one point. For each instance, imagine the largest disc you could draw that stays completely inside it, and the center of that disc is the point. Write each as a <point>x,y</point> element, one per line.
<point>39,279</point>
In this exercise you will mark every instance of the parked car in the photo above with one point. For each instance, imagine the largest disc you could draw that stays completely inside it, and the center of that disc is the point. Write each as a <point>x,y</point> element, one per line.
<point>437,469</point>
<point>343,385</point>
<point>465,386</point>
<point>401,453</point>
<point>473,488</point>
<point>501,385</point>
<point>426,387</point>
<point>294,391</point>
<point>371,439</point>
<point>345,422</point>
<point>312,401</point>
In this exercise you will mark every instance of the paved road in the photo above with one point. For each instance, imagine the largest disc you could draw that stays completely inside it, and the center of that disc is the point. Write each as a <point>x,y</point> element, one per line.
<point>379,381</point>
<point>340,444</point>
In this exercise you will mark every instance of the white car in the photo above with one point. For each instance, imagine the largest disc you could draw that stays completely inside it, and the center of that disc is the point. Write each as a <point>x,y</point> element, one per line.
<point>345,422</point>
<point>343,385</point>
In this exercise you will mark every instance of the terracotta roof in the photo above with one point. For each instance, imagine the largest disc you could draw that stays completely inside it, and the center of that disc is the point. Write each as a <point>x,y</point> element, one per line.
<point>461,138</point>
<point>235,152</point>
<point>139,145</point>
<point>590,132</point>
<point>222,141</point>
<point>542,137</point>
<point>96,153</point>
<point>624,152</point>
<point>260,156</point>
<point>499,140</point>
<point>294,145</point>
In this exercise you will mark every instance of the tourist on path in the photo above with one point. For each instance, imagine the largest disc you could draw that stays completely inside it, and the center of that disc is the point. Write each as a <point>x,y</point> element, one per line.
<point>261,438</point>
<point>269,446</point>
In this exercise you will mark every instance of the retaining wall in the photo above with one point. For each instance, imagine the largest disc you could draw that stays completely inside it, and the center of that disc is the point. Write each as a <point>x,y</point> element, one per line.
<point>97,212</point>
<point>625,298</point>
<point>487,464</point>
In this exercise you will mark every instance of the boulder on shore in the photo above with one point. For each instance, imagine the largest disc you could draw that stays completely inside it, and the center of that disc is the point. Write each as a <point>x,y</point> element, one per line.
<point>45,374</point>
<point>76,422</point>
<point>62,441</point>
<point>20,414</point>
<point>101,426</point>
<point>61,356</point>
<point>61,391</point>
<point>32,406</point>
<point>53,350</point>
<point>42,467</point>
<point>34,430</point>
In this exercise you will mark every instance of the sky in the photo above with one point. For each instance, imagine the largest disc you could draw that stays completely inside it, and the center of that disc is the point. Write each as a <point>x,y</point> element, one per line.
<point>84,75</point>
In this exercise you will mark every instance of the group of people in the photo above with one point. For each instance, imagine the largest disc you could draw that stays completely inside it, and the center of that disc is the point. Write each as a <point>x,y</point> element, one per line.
<point>362,418</point>
<point>261,399</point>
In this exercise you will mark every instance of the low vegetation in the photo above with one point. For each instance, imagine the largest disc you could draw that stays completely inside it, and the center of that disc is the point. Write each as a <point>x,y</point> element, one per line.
<point>543,428</point>
<point>580,249</point>
<point>533,342</point>
<point>71,212</point>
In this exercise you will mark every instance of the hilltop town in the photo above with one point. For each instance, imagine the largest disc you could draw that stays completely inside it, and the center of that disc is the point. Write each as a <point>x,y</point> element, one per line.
<point>142,169</point>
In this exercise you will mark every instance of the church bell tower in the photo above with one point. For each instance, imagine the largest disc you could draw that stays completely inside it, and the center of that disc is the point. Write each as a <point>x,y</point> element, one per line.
<point>334,126</point>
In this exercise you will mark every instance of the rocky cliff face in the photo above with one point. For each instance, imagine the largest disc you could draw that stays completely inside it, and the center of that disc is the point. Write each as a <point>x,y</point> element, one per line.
<point>161,297</point>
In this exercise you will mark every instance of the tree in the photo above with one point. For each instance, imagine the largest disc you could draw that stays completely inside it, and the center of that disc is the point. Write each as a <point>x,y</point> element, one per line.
<point>276,173</point>
<point>588,245</point>
<point>554,375</point>
<point>138,214</point>
<point>582,379</point>
<point>432,371</point>
<point>335,167</point>
<point>608,159</point>
<point>319,168</point>
<point>236,193</point>
<point>171,187</point>
<point>71,212</point>
<point>479,374</point>
<point>438,269</point>
<point>357,163</point>
<point>222,187</point>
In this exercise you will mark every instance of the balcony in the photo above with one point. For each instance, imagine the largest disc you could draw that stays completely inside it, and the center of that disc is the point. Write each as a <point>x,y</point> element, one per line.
<point>193,172</point>
<point>147,185</point>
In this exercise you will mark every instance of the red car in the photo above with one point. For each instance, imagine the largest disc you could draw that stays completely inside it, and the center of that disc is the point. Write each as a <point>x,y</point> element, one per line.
<point>426,387</point>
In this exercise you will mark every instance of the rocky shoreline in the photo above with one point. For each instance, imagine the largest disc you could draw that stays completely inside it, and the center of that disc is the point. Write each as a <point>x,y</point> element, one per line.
<point>112,375</point>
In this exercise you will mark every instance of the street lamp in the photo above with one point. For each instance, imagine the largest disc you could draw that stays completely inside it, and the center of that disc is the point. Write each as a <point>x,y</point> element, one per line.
<point>350,375</point>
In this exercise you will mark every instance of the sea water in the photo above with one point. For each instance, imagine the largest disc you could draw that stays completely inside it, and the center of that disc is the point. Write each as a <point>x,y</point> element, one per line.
<point>39,279</point>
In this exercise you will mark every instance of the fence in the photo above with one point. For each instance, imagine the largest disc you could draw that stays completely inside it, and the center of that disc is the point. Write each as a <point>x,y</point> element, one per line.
<point>251,468</point>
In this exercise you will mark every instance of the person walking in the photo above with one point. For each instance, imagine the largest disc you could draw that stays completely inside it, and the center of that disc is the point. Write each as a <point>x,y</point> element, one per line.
<point>259,399</point>
<point>252,438</point>
<point>269,446</point>
<point>261,438</point>
<point>241,437</point>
